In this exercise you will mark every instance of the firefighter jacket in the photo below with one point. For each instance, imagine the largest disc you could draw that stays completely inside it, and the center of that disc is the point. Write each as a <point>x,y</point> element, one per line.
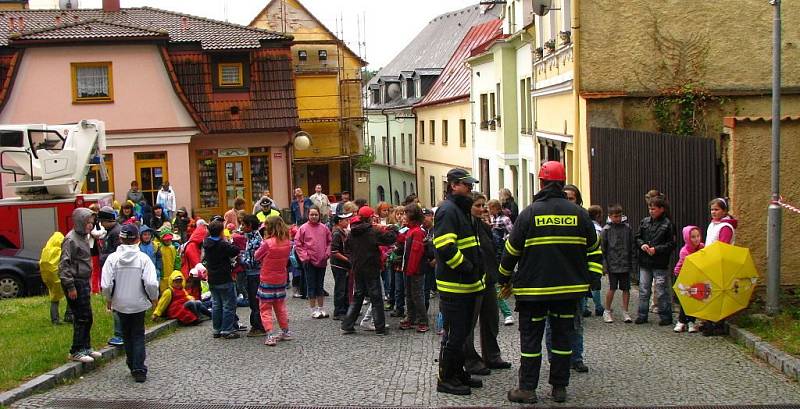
<point>557,249</point>
<point>459,270</point>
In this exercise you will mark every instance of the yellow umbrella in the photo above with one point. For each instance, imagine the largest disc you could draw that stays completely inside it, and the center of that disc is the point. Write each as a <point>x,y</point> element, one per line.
<point>716,281</point>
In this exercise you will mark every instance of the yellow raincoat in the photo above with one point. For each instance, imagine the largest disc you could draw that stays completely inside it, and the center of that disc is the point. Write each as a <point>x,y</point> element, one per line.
<point>48,266</point>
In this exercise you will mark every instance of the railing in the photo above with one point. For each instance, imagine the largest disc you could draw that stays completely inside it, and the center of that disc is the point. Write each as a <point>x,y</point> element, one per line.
<point>316,68</point>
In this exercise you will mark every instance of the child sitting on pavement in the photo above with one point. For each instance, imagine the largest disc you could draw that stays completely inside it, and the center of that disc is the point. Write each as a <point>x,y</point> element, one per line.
<point>176,303</point>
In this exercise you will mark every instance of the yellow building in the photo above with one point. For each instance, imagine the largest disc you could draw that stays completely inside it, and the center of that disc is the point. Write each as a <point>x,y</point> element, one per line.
<point>13,4</point>
<point>328,87</point>
<point>444,125</point>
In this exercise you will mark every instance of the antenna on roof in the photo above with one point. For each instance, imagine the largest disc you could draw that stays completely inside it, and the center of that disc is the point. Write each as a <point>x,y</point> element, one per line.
<point>68,4</point>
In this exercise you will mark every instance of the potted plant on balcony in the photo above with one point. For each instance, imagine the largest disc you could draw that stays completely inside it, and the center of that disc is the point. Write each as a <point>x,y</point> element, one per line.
<point>550,46</point>
<point>538,53</point>
<point>565,36</point>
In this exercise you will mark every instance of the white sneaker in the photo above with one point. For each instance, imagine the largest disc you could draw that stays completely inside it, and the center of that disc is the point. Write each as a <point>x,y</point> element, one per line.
<point>80,356</point>
<point>607,316</point>
<point>509,320</point>
<point>679,327</point>
<point>692,327</point>
<point>626,317</point>
<point>92,353</point>
<point>367,326</point>
<point>323,314</point>
<point>316,314</point>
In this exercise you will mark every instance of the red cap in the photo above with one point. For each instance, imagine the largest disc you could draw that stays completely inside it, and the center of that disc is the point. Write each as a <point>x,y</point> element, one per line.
<point>553,171</point>
<point>365,213</point>
<point>167,236</point>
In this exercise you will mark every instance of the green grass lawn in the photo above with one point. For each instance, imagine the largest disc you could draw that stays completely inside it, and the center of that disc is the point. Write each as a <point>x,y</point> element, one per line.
<point>782,330</point>
<point>32,346</point>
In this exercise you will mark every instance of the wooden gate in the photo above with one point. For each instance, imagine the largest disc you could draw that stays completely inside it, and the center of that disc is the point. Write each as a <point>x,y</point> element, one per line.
<point>626,164</point>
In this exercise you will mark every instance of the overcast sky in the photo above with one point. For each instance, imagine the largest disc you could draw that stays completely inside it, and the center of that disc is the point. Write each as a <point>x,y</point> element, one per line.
<point>390,24</point>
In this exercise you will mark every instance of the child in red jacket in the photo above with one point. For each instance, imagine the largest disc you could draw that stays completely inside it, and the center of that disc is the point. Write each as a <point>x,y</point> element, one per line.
<point>273,254</point>
<point>413,257</point>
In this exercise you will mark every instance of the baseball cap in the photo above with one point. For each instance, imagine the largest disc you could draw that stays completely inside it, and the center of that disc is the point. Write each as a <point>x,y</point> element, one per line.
<point>106,213</point>
<point>167,236</point>
<point>129,231</point>
<point>365,212</point>
<point>460,175</point>
<point>427,212</point>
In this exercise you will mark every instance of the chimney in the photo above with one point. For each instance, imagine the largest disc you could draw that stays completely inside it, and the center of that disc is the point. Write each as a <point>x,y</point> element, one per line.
<point>110,5</point>
<point>21,23</point>
<point>12,25</point>
<point>184,23</point>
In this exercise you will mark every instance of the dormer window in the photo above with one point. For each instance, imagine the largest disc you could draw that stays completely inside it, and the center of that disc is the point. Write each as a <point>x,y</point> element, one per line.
<point>376,96</point>
<point>302,56</point>
<point>410,88</point>
<point>231,75</point>
<point>323,56</point>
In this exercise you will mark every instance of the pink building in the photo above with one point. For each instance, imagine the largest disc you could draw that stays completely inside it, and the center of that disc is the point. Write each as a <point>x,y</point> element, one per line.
<point>206,105</point>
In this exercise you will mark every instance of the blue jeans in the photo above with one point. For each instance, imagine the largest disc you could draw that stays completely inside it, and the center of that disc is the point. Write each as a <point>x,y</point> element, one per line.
<point>658,281</point>
<point>133,334</point>
<point>223,313</point>
<point>399,291</point>
<point>575,341</point>
<point>387,283</point>
<point>117,324</point>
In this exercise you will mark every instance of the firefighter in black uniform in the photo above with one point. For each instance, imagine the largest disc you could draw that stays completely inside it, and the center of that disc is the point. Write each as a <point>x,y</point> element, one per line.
<point>558,252</point>
<point>459,279</point>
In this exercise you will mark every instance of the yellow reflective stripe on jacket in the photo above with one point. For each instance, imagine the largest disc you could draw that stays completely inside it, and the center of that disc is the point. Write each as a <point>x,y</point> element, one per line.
<point>559,352</point>
<point>536,355</point>
<point>537,241</point>
<point>503,271</point>
<point>563,315</point>
<point>595,246</point>
<point>564,289</point>
<point>595,267</point>
<point>511,250</point>
<point>444,240</point>
<point>460,288</point>
<point>456,261</point>
<point>597,252</point>
<point>537,319</point>
<point>467,242</point>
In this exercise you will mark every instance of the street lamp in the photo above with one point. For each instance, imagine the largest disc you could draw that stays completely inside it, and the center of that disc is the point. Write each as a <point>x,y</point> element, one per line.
<point>302,140</point>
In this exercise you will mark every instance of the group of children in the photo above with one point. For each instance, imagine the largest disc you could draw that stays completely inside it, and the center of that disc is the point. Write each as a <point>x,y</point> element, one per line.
<point>649,250</point>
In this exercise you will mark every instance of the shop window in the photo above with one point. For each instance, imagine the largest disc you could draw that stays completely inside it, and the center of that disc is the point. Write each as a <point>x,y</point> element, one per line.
<point>259,172</point>
<point>92,82</point>
<point>231,74</point>
<point>94,182</point>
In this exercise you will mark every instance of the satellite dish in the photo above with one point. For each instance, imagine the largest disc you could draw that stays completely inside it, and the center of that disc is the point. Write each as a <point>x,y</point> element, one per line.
<point>541,7</point>
<point>68,4</point>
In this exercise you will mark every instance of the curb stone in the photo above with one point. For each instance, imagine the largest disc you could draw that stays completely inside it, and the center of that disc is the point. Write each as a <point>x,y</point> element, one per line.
<point>783,362</point>
<point>72,370</point>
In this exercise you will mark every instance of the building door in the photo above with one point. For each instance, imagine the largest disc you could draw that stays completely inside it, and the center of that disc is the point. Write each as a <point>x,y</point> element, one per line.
<point>236,181</point>
<point>151,172</point>
<point>484,185</point>
<point>317,175</point>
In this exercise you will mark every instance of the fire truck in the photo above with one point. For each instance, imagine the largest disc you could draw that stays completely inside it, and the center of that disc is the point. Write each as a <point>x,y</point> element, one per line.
<point>48,165</point>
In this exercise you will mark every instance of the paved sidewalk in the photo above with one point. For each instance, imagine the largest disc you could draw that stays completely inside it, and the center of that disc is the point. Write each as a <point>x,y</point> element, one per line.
<point>629,365</point>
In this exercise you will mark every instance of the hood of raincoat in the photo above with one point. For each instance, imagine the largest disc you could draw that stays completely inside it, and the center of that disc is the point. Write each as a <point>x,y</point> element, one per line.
<point>79,218</point>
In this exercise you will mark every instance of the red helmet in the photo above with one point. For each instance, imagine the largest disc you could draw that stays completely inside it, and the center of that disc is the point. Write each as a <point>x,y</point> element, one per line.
<point>553,171</point>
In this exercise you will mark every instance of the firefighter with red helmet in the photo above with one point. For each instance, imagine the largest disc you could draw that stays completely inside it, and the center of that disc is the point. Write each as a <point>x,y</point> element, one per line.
<point>556,252</point>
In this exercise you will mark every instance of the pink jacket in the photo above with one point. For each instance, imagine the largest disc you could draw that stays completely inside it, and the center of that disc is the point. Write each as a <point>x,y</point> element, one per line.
<point>687,248</point>
<point>273,256</point>
<point>313,244</point>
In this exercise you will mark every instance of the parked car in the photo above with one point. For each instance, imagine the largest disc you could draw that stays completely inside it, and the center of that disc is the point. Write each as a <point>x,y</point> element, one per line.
<point>19,273</point>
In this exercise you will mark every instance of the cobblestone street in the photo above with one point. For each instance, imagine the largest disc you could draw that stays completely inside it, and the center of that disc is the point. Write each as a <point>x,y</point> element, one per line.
<point>629,365</point>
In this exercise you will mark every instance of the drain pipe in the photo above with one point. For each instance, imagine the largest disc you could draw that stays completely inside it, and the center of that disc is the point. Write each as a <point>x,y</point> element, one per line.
<point>388,157</point>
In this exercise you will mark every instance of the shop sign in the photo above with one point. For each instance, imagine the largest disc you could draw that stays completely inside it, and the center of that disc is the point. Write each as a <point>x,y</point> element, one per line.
<point>277,155</point>
<point>230,153</point>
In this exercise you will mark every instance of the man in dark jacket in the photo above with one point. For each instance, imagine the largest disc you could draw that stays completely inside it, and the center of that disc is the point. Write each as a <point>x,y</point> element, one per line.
<point>110,244</point>
<point>365,257</point>
<point>558,252</point>
<point>218,255</point>
<point>460,280</point>
<point>656,242</point>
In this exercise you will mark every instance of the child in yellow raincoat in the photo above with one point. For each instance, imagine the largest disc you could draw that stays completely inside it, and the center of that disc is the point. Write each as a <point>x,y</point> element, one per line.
<point>48,266</point>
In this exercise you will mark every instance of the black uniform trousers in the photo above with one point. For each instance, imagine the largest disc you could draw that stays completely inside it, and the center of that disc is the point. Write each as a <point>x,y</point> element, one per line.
<point>532,317</point>
<point>457,312</point>
<point>489,326</point>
